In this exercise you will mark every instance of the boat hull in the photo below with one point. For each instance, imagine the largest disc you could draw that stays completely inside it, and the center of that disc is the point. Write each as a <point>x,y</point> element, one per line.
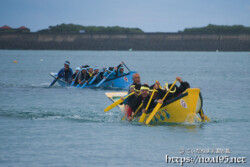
<point>121,82</point>
<point>181,109</point>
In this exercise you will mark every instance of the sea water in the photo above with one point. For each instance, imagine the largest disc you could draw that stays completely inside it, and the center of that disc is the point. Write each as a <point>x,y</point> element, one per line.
<point>42,126</point>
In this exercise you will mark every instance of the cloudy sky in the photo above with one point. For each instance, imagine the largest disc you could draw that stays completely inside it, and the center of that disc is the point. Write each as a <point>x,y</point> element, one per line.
<point>148,15</point>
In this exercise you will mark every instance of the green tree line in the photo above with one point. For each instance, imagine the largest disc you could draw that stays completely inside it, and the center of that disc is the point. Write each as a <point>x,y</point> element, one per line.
<point>72,28</point>
<point>218,29</point>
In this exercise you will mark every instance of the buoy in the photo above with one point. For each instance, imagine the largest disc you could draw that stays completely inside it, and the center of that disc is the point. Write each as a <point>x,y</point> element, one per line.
<point>15,61</point>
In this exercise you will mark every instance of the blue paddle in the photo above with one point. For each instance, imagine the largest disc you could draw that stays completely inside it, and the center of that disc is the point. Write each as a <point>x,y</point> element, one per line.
<point>126,66</point>
<point>93,79</point>
<point>85,83</point>
<point>104,79</point>
<point>73,82</point>
<point>52,83</point>
<point>79,84</point>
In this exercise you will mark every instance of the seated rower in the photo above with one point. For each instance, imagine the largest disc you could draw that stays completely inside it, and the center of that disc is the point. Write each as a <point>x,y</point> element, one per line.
<point>130,101</point>
<point>97,76</point>
<point>83,76</point>
<point>90,71</point>
<point>144,92</point>
<point>107,73</point>
<point>75,76</point>
<point>65,73</point>
<point>119,69</point>
<point>176,91</point>
<point>154,99</point>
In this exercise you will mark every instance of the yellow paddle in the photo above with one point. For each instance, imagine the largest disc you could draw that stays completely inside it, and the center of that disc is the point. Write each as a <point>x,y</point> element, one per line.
<point>143,116</point>
<point>136,111</point>
<point>117,102</point>
<point>159,85</point>
<point>158,106</point>
<point>206,118</point>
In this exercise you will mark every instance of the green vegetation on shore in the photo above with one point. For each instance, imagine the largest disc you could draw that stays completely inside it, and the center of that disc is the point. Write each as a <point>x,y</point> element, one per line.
<point>72,28</point>
<point>218,29</point>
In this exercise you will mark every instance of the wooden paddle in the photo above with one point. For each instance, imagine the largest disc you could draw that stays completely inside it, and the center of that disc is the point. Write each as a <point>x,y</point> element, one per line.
<point>117,102</point>
<point>143,116</point>
<point>158,106</point>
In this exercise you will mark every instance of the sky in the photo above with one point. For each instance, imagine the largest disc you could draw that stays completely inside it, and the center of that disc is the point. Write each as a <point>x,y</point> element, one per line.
<point>148,15</point>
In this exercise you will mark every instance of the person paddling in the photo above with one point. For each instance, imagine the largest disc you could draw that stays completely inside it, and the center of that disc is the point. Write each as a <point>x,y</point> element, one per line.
<point>66,72</point>
<point>75,76</point>
<point>97,76</point>
<point>83,76</point>
<point>176,91</point>
<point>108,71</point>
<point>156,88</point>
<point>144,92</point>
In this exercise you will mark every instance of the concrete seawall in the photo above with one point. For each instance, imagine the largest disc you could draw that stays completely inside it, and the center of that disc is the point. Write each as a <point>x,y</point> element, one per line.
<point>147,41</point>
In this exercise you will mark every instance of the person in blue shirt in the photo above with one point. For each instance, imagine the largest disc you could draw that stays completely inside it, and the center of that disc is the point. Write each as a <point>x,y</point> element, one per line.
<point>107,73</point>
<point>120,71</point>
<point>66,72</point>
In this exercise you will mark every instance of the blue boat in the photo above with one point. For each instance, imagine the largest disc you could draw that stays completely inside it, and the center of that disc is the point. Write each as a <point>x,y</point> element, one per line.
<point>120,82</point>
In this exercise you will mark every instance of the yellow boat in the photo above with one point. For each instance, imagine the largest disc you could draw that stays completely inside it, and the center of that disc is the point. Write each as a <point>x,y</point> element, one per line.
<point>181,109</point>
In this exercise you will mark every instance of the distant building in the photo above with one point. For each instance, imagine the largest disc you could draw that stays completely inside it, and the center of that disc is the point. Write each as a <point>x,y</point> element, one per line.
<point>22,29</point>
<point>82,31</point>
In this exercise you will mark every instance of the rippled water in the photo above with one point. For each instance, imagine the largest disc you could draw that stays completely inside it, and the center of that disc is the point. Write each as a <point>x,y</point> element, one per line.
<point>57,126</point>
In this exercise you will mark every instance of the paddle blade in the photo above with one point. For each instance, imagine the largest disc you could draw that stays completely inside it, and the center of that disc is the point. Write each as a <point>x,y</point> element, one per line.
<point>143,116</point>
<point>113,105</point>
<point>72,83</point>
<point>52,83</point>
<point>157,107</point>
<point>84,85</point>
<point>93,79</point>
<point>207,118</point>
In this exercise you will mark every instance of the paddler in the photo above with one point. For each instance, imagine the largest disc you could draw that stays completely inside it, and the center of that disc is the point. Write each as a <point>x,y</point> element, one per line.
<point>119,69</point>
<point>90,71</point>
<point>131,101</point>
<point>97,76</point>
<point>75,76</point>
<point>83,76</point>
<point>66,72</point>
<point>107,73</point>
<point>156,88</point>
<point>144,92</point>
<point>176,91</point>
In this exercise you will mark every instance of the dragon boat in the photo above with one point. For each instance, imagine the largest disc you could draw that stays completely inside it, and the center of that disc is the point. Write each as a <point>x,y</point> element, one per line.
<point>181,109</point>
<point>120,82</point>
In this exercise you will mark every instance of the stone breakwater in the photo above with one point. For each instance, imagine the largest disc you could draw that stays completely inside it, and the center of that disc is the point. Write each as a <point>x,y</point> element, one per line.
<point>146,41</point>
